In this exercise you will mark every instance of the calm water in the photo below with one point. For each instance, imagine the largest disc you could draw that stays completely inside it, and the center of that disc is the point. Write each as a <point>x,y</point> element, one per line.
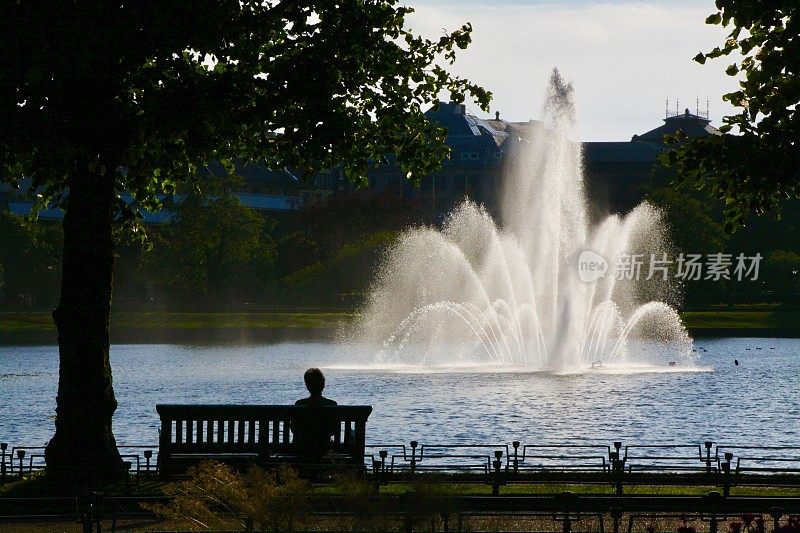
<point>757,402</point>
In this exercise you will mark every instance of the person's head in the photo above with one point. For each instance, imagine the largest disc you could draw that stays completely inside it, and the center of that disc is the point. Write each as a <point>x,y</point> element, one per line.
<point>315,381</point>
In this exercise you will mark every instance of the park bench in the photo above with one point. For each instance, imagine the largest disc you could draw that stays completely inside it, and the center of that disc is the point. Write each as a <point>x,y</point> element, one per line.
<point>252,433</point>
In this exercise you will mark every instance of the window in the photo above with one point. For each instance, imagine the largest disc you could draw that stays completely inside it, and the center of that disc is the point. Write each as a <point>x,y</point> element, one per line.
<point>470,155</point>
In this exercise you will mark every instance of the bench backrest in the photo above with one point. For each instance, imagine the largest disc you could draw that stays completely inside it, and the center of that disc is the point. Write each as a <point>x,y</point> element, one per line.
<point>259,429</point>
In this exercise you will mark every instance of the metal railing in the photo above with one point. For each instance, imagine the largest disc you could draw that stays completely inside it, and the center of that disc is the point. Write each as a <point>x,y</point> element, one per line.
<point>601,461</point>
<point>19,461</point>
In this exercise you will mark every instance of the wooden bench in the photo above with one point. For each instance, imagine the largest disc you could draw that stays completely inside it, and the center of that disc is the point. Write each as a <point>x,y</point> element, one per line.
<point>252,433</point>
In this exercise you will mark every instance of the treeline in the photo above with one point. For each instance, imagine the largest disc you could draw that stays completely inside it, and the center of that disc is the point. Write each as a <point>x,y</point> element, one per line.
<point>215,253</point>
<point>695,223</point>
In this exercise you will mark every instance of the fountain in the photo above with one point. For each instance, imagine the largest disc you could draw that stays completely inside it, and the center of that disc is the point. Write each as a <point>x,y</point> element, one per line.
<point>509,294</point>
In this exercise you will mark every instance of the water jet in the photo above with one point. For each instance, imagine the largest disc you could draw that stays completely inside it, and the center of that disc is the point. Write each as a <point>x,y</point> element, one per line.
<point>508,290</point>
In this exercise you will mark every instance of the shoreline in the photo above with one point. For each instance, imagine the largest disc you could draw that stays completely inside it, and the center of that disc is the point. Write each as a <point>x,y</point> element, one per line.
<point>238,336</point>
<point>248,327</point>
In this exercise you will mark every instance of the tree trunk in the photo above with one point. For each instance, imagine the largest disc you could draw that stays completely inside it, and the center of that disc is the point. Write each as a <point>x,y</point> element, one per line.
<point>83,447</point>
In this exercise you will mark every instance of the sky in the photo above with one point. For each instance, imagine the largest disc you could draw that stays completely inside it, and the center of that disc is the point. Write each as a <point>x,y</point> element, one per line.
<point>625,58</point>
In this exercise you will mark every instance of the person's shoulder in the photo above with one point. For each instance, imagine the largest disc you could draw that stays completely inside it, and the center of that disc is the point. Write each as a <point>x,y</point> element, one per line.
<point>328,401</point>
<point>302,401</point>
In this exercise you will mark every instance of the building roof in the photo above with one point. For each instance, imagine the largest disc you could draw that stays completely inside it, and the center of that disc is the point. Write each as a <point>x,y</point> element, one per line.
<point>463,128</point>
<point>691,125</point>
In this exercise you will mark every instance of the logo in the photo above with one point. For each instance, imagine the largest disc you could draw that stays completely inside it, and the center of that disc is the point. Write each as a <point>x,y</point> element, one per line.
<point>591,266</point>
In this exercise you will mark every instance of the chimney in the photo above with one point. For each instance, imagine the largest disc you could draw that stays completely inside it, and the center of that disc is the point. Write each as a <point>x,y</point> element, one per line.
<point>497,115</point>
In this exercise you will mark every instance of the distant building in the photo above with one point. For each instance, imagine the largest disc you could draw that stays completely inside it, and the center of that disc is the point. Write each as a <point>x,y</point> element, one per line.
<point>615,172</point>
<point>692,125</point>
<point>473,169</point>
<point>266,189</point>
<point>261,188</point>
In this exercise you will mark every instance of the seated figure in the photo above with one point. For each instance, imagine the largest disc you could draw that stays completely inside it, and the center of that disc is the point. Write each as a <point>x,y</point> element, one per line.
<point>313,431</point>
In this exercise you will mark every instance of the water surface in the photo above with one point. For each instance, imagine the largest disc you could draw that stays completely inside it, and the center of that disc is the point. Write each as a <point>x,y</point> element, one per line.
<point>755,403</point>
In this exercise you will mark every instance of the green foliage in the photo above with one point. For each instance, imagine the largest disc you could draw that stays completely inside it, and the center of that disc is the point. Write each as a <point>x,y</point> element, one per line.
<point>99,99</point>
<point>754,170</point>
<point>214,247</point>
<point>145,93</point>
<point>29,258</point>
<point>369,509</point>
<point>349,217</point>
<point>781,271</point>
<point>692,223</point>
<point>348,271</point>
<point>217,497</point>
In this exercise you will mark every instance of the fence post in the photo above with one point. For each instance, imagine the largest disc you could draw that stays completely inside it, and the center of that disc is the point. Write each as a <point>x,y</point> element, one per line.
<point>382,472</point>
<point>148,454</point>
<point>616,514</point>
<point>714,505</point>
<point>566,525</point>
<point>618,466</point>
<point>413,455</point>
<point>708,444</point>
<point>616,471</point>
<point>515,444</point>
<point>406,500</point>
<point>497,463</point>
<point>567,500</point>
<point>776,513</point>
<point>21,457</point>
<point>3,448</point>
<point>89,519</point>
<point>726,473</point>
<point>444,514</point>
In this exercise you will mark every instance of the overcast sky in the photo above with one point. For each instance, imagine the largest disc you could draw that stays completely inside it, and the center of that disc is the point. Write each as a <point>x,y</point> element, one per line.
<point>624,57</point>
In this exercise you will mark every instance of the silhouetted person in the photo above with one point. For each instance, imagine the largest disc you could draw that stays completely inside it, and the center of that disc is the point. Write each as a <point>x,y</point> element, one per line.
<point>315,383</point>
<point>313,430</point>
<point>736,362</point>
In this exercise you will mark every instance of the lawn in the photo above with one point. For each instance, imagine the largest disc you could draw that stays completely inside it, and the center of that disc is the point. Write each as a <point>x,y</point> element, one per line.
<point>734,322</point>
<point>743,319</point>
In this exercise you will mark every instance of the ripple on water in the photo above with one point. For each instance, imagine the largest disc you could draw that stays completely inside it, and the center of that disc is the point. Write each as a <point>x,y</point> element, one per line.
<point>749,404</point>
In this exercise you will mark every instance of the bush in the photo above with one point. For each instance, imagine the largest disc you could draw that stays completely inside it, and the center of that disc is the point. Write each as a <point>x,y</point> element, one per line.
<point>217,497</point>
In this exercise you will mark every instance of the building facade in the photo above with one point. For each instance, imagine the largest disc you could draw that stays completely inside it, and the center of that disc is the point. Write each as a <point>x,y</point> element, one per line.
<point>615,172</point>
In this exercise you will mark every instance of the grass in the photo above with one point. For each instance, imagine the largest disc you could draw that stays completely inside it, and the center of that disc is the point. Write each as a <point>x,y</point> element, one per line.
<point>42,322</point>
<point>238,320</point>
<point>26,322</point>
<point>744,319</point>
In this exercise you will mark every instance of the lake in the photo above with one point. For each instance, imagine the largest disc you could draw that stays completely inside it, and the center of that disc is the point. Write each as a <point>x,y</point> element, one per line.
<point>754,403</point>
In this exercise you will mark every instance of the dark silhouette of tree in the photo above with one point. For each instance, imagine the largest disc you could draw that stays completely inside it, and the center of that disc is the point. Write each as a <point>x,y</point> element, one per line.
<point>756,168</point>
<point>99,99</point>
<point>29,262</point>
<point>214,250</point>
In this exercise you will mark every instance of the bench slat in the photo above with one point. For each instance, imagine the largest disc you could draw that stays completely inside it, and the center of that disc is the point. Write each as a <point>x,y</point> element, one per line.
<point>250,431</point>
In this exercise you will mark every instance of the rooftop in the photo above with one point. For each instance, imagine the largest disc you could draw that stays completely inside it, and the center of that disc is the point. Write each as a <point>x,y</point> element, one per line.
<point>691,125</point>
